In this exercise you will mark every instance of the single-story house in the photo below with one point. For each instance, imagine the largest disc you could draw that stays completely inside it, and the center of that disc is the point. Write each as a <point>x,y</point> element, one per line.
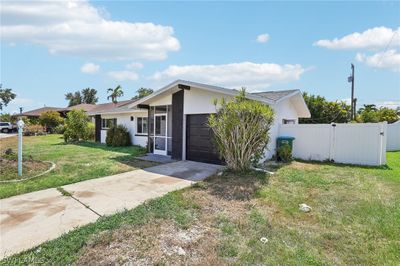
<point>173,120</point>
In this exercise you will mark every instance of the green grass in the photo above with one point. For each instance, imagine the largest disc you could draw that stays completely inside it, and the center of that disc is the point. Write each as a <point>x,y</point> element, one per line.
<point>74,162</point>
<point>355,219</point>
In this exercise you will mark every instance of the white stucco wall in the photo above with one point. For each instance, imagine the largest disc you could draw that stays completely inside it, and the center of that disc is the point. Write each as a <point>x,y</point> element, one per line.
<point>161,100</point>
<point>197,101</point>
<point>283,110</point>
<point>125,119</point>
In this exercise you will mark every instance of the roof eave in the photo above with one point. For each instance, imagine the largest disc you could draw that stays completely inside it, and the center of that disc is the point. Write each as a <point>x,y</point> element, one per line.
<point>200,86</point>
<point>117,112</point>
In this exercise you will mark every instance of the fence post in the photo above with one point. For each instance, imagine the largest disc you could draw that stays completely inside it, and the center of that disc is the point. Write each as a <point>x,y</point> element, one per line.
<point>382,144</point>
<point>332,140</point>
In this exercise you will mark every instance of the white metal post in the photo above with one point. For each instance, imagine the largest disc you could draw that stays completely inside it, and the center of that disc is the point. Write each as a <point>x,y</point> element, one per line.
<point>20,130</point>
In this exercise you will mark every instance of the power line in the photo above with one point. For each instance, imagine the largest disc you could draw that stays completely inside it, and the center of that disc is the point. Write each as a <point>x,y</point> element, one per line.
<point>387,46</point>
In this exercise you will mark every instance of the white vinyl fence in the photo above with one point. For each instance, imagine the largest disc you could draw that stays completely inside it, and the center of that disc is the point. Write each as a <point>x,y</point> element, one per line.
<point>393,137</point>
<point>363,144</point>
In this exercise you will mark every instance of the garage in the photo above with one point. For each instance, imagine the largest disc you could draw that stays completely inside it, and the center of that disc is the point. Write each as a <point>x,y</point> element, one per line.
<point>199,140</point>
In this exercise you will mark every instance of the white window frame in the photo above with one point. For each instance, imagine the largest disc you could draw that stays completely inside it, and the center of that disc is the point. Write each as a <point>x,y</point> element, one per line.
<point>288,121</point>
<point>147,125</point>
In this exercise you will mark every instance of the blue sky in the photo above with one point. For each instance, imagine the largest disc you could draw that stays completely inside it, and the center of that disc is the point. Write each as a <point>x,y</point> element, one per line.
<point>49,49</point>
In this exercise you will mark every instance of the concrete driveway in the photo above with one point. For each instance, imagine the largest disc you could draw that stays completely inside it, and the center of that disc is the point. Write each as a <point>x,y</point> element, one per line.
<point>7,135</point>
<point>30,219</point>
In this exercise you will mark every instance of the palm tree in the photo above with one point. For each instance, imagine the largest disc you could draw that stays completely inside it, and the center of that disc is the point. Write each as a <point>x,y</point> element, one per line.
<point>368,108</point>
<point>115,93</point>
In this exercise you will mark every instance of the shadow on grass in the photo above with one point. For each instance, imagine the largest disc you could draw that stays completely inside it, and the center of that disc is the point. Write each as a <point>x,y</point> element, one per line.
<point>133,162</point>
<point>132,150</point>
<point>236,185</point>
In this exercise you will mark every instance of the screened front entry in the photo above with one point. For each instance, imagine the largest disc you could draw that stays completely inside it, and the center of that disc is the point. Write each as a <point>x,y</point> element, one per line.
<point>160,136</point>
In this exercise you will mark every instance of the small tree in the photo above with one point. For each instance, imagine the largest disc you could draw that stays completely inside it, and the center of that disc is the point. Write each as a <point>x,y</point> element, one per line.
<point>142,92</point>
<point>76,126</point>
<point>325,112</point>
<point>387,114</point>
<point>368,114</point>
<point>6,96</point>
<point>241,129</point>
<point>50,119</point>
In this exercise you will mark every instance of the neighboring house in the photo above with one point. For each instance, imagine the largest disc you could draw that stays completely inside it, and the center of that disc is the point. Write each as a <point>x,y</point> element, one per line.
<point>62,110</point>
<point>173,120</point>
<point>37,112</point>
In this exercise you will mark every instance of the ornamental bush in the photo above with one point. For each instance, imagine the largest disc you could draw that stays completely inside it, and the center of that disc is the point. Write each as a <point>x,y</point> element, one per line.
<point>76,126</point>
<point>50,120</point>
<point>118,136</point>
<point>241,129</point>
<point>285,153</point>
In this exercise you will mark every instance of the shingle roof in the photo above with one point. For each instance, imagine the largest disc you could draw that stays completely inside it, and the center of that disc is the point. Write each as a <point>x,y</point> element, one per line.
<point>83,106</point>
<point>105,107</point>
<point>274,95</point>
<point>39,111</point>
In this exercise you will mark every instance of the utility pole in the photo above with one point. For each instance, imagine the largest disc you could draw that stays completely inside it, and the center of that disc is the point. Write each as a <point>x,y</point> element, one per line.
<point>353,101</point>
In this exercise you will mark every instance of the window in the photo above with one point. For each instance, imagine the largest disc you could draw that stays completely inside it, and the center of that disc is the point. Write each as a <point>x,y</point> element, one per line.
<point>108,123</point>
<point>141,125</point>
<point>288,121</point>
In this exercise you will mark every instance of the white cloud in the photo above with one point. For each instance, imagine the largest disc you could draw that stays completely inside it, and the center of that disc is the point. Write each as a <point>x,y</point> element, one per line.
<point>251,75</point>
<point>128,74</point>
<point>90,68</point>
<point>385,60</point>
<point>378,37</point>
<point>123,75</point>
<point>78,28</point>
<point>134,65</point>
<point>262,38</point>
<point>389,104</point>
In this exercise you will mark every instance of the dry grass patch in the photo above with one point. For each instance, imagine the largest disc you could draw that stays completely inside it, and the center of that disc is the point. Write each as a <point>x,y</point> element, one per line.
<point>30,168</point>
<point>192,237</point>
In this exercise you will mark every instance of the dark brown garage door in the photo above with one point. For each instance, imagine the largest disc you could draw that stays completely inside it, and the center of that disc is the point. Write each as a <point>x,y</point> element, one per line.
<point>199,140</point>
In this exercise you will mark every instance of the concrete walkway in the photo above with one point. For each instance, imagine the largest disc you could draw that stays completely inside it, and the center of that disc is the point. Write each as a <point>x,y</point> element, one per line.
<point>30,219</point>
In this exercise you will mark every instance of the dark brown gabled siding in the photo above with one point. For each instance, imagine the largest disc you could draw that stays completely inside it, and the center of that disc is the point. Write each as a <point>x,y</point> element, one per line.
<point>97,126</point>
<point>177,125</point>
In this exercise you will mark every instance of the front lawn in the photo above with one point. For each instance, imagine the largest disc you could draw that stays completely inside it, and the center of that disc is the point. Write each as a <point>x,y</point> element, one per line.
<point>250,219</point>
<point>74,162</point>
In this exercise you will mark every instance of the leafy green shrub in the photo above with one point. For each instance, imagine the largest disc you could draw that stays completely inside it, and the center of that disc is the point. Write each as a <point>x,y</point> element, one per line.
<point>285,152</point>
<point>60,129</point>
<point>50,120</point>
<point>118,136</point>
<point>241,129</point>
<point>76,126</point>
<point>90,131</point>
